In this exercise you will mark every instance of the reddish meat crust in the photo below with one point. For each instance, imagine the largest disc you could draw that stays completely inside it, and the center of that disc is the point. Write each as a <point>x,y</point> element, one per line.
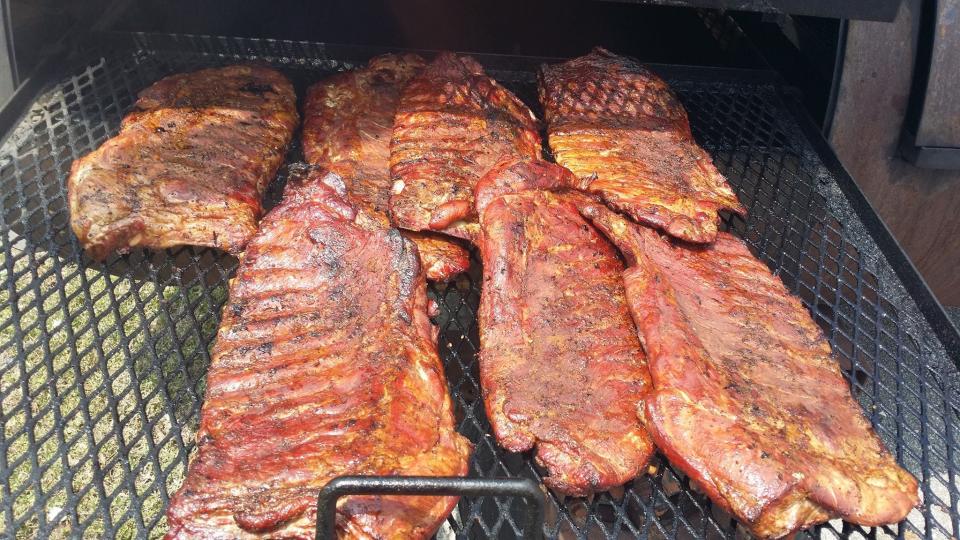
<point>453,124</point>
<point>348,123</point>
<point>620,129</point>
<point>747,399</point>
<point>189,165</point>
<point>561,366</point>
<point>347,126</point>
<point>441,256</point>
<point>313,377</point>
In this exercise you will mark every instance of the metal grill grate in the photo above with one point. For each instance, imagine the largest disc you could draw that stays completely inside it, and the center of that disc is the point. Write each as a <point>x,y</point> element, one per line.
<point>102,365</point>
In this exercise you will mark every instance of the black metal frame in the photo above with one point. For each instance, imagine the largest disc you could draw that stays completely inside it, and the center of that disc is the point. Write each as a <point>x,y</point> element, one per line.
<point>808,52</point>
<point>871,10</point>
<point>931,308</point>
<point>934,31</point>
<point>808,220</point>
<point>428,485</point>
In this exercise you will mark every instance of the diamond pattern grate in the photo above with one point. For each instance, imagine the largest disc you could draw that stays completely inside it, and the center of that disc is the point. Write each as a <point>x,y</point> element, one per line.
<point>102,365</point>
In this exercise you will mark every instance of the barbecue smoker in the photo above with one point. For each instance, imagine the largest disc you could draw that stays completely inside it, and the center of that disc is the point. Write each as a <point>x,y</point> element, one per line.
<point>102,364</point>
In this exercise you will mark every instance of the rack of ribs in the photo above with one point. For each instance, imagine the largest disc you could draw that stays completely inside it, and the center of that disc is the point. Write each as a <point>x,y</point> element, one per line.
<point>561,365</point>
<point>347,127</point>
<point>452,125</point>
<point>313,377</point>
<point>189,165</point>
<point>621,130</point>
<point>746,398</point>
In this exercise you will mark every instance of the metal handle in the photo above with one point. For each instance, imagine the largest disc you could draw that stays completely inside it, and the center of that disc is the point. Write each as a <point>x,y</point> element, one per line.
<point>428,485</point>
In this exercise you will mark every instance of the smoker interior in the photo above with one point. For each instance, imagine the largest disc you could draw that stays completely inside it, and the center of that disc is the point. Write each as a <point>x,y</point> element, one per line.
<point>104,363</point>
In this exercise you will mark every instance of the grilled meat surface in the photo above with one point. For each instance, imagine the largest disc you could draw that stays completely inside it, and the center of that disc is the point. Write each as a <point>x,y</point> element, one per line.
<point>453,124</point>
<point>313,377</point>
<point>561,366</point>
<point>189,165</point>
<point>347,126</point>
<point>747,399</point>
<point>348,123</point>
<point>619,128</point>
<point>441,257</point>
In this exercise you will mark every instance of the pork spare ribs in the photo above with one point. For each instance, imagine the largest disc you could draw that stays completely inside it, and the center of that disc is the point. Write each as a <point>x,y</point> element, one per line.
<point>347,127</point>
<point>747,399</point>
<point>619,128</point>
<point>453,124</point>
<point>561,365</point>
<point>324,365</point>
<point>189,165</point>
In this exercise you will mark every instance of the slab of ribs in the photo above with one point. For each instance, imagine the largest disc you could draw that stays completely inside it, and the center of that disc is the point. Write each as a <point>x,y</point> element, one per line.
<point>746,398</point>
<point>453,124</point>
<point>620,129</point>
<point>189,165</point>
<point>324,365</point>
<point>560,363</point>
<point>347,127</point>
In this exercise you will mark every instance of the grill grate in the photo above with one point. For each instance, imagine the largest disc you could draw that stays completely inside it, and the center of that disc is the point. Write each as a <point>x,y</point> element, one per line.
<point>102,365</point>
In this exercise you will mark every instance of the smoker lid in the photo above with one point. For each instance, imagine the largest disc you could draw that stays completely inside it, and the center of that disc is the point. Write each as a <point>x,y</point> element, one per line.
<point>870,10</point>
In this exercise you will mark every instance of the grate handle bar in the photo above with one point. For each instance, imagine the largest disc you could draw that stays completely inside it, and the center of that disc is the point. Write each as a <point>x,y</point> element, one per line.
<point>428,485</point>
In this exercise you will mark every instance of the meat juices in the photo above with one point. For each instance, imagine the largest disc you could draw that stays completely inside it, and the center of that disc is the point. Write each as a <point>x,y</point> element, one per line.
<point>347,127</point>
<point>189,166</point>
<point>561,366</point>
<point>313,377</point>
<point>746,398</point>
<point>621,130</point>
<point>453,124</point>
